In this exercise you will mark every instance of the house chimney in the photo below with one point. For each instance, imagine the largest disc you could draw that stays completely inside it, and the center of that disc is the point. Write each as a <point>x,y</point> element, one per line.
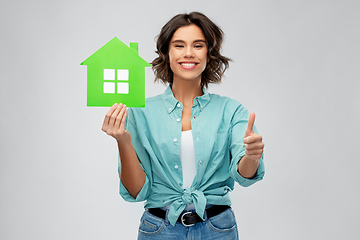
<point>134,45</point>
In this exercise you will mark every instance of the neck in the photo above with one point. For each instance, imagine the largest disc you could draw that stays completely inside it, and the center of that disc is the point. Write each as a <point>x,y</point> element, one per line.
<point>185,92</point>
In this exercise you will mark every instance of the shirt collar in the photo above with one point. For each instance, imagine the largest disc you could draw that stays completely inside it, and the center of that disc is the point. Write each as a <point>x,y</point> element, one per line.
<point>169,99</point>
<point>203,100</point>
<point>171,102</point>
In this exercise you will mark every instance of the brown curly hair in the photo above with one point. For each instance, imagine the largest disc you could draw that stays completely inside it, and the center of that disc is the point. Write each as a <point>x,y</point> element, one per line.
<point>217,63</point>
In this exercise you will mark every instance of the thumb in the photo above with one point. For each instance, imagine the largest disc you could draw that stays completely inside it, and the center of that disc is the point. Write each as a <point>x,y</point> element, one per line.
<point>249,129</point>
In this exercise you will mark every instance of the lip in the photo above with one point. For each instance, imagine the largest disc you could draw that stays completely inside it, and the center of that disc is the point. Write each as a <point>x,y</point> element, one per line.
<point>188,65</point>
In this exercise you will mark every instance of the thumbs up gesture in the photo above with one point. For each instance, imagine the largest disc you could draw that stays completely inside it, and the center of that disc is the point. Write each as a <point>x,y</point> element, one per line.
<point>254,146</point>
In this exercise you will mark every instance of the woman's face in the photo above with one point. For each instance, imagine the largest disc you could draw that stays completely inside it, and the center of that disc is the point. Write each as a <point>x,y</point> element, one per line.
<point>188,53</point>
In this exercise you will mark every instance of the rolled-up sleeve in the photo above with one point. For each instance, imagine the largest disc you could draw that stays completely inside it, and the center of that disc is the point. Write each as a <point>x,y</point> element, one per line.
<point>143,159</point>
<point>239,124</point>
<point>142,196</point>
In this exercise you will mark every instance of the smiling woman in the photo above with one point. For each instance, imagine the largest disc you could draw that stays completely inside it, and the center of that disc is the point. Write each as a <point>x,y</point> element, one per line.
<point>188,54</point>
<point>211,35</point>
<point>183,152</point>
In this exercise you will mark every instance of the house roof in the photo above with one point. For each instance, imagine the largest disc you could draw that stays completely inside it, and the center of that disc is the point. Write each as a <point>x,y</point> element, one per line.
<point>115,54</point>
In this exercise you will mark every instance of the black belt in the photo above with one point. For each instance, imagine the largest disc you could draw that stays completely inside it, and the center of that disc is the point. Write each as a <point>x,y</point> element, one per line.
<point>190,218</point>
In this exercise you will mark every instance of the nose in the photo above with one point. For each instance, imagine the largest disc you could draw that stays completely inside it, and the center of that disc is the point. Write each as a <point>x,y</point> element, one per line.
<point>188,52</point>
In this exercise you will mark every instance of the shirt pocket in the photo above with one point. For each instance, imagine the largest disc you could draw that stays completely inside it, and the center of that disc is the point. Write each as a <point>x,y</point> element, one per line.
<point>220,145</point>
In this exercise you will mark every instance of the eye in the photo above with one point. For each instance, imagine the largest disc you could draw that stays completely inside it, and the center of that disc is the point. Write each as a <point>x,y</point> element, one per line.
<point>199,46</point>
<point>179,46</point>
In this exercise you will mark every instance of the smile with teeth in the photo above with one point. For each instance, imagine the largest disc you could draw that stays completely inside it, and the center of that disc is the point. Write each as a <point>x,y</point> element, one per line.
<point>187,64</point>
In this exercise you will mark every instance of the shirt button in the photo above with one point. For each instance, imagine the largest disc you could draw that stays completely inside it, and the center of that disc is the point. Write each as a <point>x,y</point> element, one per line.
<point>200,163</point>
<point>179,105</point>
<point>176,166</point>
<point>178,119</point>
<point>169,109</point>
<point>175,139</point>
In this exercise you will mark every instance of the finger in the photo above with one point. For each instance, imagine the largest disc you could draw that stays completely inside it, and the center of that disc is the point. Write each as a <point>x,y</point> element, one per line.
<point>108,115</point>
<point>256,145</point>
<point>119,117</point>
<point>256,152</point>
<point>122,126</point>
<point>253,138</point>
<point>114,115</point>
<point>250,126</point>
<point>254,157</point>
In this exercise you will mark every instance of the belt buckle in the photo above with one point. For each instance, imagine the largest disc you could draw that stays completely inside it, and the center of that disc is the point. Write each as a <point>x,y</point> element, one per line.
<point>183,221</point>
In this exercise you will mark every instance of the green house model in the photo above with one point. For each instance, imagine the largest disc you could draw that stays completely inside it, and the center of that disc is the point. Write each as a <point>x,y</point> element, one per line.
<point>116,74</point>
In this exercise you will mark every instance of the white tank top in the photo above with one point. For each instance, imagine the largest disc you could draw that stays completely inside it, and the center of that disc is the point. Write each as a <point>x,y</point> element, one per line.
<point>187,156</point>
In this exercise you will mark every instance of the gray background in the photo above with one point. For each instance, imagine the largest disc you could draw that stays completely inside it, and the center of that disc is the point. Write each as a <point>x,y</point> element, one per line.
<point>296,65</point>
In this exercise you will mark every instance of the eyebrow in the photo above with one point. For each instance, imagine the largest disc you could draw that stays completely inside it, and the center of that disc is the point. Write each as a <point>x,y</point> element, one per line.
<point>181,41</point>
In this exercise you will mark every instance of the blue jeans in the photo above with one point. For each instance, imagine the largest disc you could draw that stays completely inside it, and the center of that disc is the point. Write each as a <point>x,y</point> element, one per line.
<point>222,226</point>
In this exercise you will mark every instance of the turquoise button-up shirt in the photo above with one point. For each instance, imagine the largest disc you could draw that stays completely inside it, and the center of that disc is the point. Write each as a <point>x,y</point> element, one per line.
<point>218,127</point>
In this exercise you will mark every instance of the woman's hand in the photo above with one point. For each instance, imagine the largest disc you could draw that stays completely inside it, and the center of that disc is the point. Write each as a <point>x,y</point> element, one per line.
<point>114,123</point>
<point>131,175</point>
<point>254,146</point>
